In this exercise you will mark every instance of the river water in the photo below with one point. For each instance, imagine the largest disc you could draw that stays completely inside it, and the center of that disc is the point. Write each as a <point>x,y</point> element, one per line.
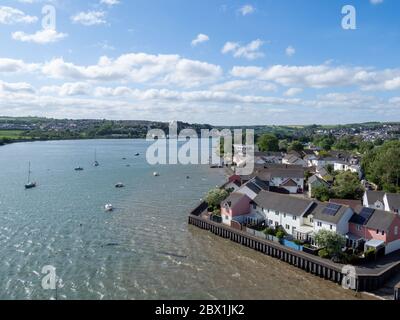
<point>142,250</point>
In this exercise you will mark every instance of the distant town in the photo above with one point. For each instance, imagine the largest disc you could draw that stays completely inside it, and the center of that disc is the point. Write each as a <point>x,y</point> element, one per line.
<point>36,128</point>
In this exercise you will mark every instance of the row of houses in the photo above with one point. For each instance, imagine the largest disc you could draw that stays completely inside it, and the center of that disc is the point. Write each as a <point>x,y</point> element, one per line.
<point>301,218</point>
<point>339,160</point>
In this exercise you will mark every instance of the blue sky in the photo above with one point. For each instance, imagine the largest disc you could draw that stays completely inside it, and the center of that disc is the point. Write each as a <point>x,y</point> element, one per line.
<point>209,61</point>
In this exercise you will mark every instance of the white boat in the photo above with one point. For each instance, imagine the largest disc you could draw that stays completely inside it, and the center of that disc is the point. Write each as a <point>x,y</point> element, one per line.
<point>108,207</point>
<point>156,174</point>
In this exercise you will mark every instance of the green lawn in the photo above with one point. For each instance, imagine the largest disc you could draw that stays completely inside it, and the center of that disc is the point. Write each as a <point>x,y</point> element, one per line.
<point>11,134</point>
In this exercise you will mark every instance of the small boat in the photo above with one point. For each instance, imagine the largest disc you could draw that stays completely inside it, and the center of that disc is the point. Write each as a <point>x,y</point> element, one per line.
<point>123,158</point>
<point>156,174</point>
<point>120,185</point>
<point>78,169</point>
<point>30,185</point>
<point>137,154</point>
<point>108,207</point>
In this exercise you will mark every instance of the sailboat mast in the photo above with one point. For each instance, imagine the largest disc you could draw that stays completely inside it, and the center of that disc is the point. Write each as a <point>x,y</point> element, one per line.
<point>29,172</point>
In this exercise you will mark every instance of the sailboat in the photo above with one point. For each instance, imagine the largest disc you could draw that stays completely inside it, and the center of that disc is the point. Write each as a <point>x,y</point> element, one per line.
<point>30,184</point>
<point>95,163</point>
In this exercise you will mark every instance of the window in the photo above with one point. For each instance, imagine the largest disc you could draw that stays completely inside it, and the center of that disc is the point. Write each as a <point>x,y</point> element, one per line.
<point>359,228</point>
<point>383,233</point>
<point>226,218</point>
<point>284,215</point>
<point>377,231</point>
<point>277,213</point>
<point>311,220</point>
<point>254,206</point>
<point>287,227</point>
<point>331,227</point>
<point>270,222</point>
<point>396,230</point>
<point>276,224</point>
<point>319,224</point>
<point>294,218</point>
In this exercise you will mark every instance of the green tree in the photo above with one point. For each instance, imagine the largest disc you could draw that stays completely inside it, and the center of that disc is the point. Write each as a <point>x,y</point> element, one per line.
<point>365,146</point>
<point>296,146</point>
<point>331,241</point>
<point>345,143</point>
<point>347,186</point>
<point>382,166</point>
<point>283,145</point>
<point>268,142</point>
<point>325,142</point>
<point>321,193</point>
<point>216,196</point>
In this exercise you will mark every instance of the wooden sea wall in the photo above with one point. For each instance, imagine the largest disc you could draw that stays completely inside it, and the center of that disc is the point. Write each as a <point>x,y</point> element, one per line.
<point>366,280</point>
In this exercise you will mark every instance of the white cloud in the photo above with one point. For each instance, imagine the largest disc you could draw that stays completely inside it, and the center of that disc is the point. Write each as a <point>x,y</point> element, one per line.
<point>139,68</point>
<point>21,87</point>
<point>68,89</point>
<point>322,76</point>
<point>89,18</point>
<point>293,92</point>
<point>110,2</point>
<point>40,37</point>
<point>246,10</point>
<point>200,39</point>
<point>250,51</point>
<point>10,15</point>
<point>15,66</point>
<point>290,51</point>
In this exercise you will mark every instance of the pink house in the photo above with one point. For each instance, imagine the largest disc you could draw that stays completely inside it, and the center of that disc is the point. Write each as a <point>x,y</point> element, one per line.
<point>236,205</point>
<point>369,224</point>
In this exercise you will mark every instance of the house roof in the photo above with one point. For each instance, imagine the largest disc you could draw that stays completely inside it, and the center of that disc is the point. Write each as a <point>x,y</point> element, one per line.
<point>374,196</point>
<point>268,171</point>
<point>354,204</point>
<point>393,201</point>
<point>379,219</point>
<point>283,203</point>
<point>314,179</point>
<point>233,199</point>
<point>319,213</point>
<point>289,183</point>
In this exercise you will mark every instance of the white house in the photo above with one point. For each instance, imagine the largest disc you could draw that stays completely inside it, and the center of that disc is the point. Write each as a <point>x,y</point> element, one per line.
<point>374,200</point>
<point>301,217</point>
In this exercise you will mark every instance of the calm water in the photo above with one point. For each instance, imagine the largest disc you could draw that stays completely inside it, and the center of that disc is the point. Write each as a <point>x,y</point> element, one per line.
<point>143,250</point>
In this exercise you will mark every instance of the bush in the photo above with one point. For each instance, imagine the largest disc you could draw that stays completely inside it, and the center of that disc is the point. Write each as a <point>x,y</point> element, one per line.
<point>298,242</point>
<point>270,231</point>
<point>280,234</point>
<point>323,253</point>
<point>370,254</point>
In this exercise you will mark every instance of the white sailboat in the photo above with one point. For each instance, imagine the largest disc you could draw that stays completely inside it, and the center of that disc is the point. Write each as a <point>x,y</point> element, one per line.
<point>30,184</point>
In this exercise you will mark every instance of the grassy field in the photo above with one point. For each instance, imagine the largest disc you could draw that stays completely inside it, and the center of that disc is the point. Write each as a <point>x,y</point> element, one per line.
<point>11,134</point>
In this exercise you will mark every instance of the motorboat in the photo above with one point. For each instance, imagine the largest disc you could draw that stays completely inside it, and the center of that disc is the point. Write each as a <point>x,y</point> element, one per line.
<point>108,207</point>
<point>120,185</point>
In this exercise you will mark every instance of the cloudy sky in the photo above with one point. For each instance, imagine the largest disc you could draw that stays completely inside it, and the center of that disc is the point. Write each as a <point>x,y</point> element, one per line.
<point>208,61</point>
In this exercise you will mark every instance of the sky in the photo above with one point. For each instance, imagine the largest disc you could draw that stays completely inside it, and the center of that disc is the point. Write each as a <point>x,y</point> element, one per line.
<point>286,62</point>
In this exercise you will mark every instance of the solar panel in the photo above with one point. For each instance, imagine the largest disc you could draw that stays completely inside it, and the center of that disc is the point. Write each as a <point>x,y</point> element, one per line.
<point>332,209</point>
<point>366,214</point>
